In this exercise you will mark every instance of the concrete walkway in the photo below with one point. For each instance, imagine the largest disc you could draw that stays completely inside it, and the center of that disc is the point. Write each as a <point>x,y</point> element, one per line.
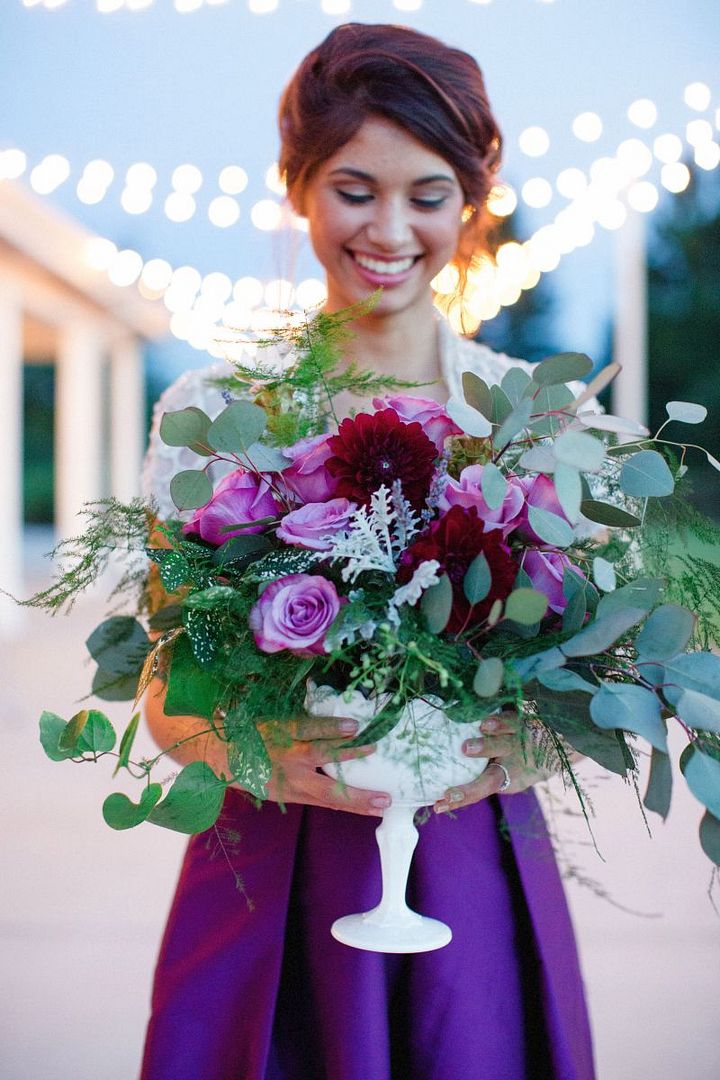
<point>82,908</point>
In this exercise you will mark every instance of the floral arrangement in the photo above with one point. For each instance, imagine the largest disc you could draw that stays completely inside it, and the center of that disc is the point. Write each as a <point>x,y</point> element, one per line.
<point>514,548</point>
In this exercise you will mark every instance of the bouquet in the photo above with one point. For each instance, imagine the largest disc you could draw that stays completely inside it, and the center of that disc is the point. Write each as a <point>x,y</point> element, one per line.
<point>516,547</point>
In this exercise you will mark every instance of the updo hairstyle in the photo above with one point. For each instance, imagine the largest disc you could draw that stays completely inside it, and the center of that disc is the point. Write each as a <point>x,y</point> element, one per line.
<point>436,93</point>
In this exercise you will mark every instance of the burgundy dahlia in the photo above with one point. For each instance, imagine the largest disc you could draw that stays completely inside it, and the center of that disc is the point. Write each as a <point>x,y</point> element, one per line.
<point>378,448</point>
<point>454,541</point>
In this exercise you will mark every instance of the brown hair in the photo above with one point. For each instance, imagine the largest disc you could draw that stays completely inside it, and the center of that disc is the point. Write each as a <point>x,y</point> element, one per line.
<point>434,92</point>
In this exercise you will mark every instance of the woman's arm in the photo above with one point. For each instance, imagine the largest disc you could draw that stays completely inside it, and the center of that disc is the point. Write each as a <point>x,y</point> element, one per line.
<point>316,740</point>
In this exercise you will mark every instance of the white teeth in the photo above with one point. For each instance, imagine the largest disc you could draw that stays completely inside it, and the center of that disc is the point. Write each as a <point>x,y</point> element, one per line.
<point>399,266</point>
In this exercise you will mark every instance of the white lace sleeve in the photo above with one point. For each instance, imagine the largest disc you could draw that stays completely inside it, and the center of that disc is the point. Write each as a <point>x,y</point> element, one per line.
<point>163,461</point>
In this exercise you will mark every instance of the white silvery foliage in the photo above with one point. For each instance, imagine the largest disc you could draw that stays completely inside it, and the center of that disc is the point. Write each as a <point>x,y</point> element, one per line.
<point>368,543</point>
<point>425,575</point>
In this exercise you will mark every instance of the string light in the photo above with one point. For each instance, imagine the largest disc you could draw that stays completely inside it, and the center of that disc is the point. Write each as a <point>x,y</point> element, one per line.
<point>534,141</point>
<point>698,132</point>
<point>233,180</point>
<point>643,113</point>
<point>668,148</point>
<point>223,211</point>
<point>697,96</point>
<point>587,127</point>
<point>675,176</point>
<point>537,192</point>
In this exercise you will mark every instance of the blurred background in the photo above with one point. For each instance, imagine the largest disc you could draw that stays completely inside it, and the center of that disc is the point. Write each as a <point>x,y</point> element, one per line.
<point>141,217</point>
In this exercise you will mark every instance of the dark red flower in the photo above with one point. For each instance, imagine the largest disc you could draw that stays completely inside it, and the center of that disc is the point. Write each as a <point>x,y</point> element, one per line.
<point>454,541</point>
<point>376,449</point>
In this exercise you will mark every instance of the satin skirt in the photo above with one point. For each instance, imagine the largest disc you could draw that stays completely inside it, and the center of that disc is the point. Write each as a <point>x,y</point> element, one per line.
<point>251,986</point>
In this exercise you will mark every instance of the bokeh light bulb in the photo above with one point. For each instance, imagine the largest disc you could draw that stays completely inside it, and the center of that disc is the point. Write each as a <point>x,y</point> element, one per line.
<point>587,127</point>
<point>643,113</point>
<point>187,178</point>
<point>233,180</point>
<point>534,141</point>
<point>697,96</point>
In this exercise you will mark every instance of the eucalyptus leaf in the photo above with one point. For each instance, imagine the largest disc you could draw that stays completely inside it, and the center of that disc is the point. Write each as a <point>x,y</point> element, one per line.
<point>646,474</point>
<point>515,383</point>
<point>698,711</point>
<point>710,837</point>
<point>702,773</point>
<point>630,708</point>
<point>469,419</point>
<point>551,528</point>
<point>658,794</point>
<point>538,459</point>
<point>620,425</point>
<point>109,686</point>
<point>477,393</point>
<point>666,633</point>
<point>641,593</point>
<point>580,450</point>
<point>528,667</point>
<point>489,677</point>
<point>550,399</point>
<point>526,606</point>
<point>604,574</point>
<point>436,605</point>
<point>606,514</point>
<point>264,458</point>
<point>121,813</point>
<point>493,485</point>
<point>190,489</point>
<point>194,801</point>
<point>237,428</point>
<point>564,680</point>
<point>502,406</point>
<point>568,489</point>
<point>52,728</point>
<point>599,635</point>
<point>119,645</point>
<point>698,671</point>
<point>186,427</point>
<point>477,580</point>
<point>713,460</point>
<point>687,412</point>
<point>569,715</point>
<point>513,424</point>
<point>562,368</point>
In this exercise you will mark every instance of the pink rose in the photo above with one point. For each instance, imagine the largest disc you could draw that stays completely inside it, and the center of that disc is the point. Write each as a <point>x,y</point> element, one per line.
<point>314,523</point>
<point>539,492</point>
<point>435,422</point>
<point>546,570</point>
<point>295,612</point>
<point>467,492</point>
<point>307,478</point>
<point>239,497</point>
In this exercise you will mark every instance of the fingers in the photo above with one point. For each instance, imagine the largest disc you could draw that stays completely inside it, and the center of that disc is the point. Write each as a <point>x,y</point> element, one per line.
<point>314,789</point>
<point>488,783</point>
<point>505,722</point>
<point>307,728</point>
<point>491,746</point>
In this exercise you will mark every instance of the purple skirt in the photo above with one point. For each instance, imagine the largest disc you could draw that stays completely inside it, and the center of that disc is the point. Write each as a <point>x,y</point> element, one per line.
<point>251,986</point>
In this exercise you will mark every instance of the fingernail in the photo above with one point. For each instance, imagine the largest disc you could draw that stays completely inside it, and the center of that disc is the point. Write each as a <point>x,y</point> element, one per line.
<point>490,723</point>
<point>454,795</point>
<point>474,746</point>
<point>348,727</point>
<point>381,802</point>
<point>441,808</point>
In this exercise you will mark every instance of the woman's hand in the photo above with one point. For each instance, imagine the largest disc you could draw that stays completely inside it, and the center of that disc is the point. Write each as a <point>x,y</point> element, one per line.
<point>499,740</point>
<point>316,741</point>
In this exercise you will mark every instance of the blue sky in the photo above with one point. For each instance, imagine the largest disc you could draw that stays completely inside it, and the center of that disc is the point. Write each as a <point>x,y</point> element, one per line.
<point>164,87</point>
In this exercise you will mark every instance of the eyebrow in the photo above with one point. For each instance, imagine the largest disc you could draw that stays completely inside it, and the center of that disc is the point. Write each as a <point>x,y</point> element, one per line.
<point>358,174</point>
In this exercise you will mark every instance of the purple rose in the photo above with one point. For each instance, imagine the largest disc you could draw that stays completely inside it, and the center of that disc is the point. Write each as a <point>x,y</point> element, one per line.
<point>435,422</point>
<point>546,570</point>
<point>239,497</point>
<point>467,492</point>
<point>307,478</point>
<point>314,523</point>
<point>539,492</point>
<point>295,613</point>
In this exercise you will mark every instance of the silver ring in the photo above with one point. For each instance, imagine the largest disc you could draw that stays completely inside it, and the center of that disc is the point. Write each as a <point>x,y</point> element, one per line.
<point>506,777</point>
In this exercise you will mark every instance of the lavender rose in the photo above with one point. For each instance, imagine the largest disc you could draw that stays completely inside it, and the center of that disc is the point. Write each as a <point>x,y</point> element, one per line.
<point>540,492</point>
<point>314,523</point>
<point>307,478</point>
<point>546,570</point>
<point>295,612</point>
<point>239,497</point>
<point>467,492</point>
<point>435,422</point>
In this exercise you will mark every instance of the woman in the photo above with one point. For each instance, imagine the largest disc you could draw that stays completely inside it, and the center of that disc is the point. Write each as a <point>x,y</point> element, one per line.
<point>389,148</point>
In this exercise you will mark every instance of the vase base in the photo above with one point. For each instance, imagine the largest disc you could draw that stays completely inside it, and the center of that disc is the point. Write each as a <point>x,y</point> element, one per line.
<point>418,934</point>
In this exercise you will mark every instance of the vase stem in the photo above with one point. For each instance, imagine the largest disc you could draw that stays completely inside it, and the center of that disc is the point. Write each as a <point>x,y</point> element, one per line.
<point>396,838</point>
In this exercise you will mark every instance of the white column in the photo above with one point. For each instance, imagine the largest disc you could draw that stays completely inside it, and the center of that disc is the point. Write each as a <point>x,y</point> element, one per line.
<point>11,458</point>
<point>127,418</point>
<point>630,389</point>
<point>79,415</point>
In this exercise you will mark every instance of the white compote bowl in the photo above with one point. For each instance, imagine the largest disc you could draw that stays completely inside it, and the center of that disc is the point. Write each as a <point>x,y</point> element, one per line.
<point>415,763</point>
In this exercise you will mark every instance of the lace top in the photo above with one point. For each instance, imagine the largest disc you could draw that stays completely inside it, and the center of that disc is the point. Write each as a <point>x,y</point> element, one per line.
<point>195,388</point>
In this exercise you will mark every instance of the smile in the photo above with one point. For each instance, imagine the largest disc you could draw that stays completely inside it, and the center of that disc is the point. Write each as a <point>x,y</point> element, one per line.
<point>386,267</point>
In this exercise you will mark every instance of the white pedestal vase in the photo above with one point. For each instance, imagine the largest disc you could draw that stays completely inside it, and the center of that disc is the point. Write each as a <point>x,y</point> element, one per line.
<point>415,763</point>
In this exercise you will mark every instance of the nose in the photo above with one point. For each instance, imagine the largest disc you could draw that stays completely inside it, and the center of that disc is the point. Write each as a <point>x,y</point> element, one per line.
<point>390,228</point>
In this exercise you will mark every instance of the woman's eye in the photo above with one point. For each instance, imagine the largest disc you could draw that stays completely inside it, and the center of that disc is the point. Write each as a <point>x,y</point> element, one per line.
<point>430,204</point>
<point>354,197</point>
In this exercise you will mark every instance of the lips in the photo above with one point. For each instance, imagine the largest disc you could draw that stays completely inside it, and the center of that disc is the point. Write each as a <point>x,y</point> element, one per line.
<point>380,271</point>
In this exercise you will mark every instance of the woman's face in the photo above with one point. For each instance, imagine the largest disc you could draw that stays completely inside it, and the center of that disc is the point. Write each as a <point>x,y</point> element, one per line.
<point>384,210</point>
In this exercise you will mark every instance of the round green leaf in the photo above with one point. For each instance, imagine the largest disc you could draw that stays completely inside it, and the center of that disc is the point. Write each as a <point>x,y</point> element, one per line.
<point>604,574</point>
<point>564,681</point>
<point>562,368</point>
<point>237,428</point>
<point>607,514</point>
<point>698,711</point>
<point>264,458</point>
<point>194,801</point>
<point>121,813</point>
<point>469,419</point>
<point>493,485</point>
<point>599,635</point>
<point>702,774</point>
<point>666,633</point>
<point>477,393</point>
<point>642,593</point>
<point>538,459</point>
<point>119,645</point>
<point>477,580</point>
<point>646,474</point>
<point>97,735</point>
<point>630,708</point>
<point>190,489</point>
<point>568,489</point>
<point>580,450</point>
<point>698,671</point>
<point>687,412</point>
<point>515,382</point>
<point>52,728</point>
<point>489,677</point>
<point>659,789</point>
<point>186,427</point>
<point>526,606</point>
<point>528,667</point>
<point>513,424</point>
<point>551,528</point>
<point>710,837</point>
<point>436,605</point>
<point>620,425</point>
